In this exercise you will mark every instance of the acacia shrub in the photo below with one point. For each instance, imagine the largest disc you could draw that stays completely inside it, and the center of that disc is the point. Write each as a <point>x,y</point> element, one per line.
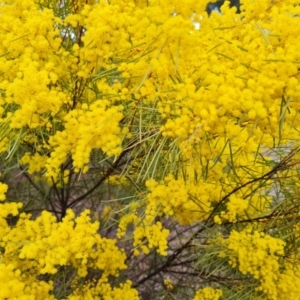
<point>182,142</point>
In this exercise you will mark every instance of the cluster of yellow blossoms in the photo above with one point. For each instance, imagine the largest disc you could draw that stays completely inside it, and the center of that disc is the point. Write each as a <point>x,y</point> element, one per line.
<point>263,257</point>
<point>187,203</point>
<point>35,250</point>
<point>208,294</point>
<point>147,235</point>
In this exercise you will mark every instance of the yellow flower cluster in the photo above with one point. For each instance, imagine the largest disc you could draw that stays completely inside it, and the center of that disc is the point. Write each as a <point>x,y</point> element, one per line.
<point>186,203</point>
<point>97,128</point>
<point>235,207</point>
<point>147,233</point>
<point>16,287</point>
<point>35,162</point>
<point>208,293</point>
<point>169,284</point>
<point>42,246</point>
<point>290,273</point>
<point>93,124</point>
<point>28,43</point>
<point>117,180</point>
<point>258,254</point>
<point>148,236</point>
<point>238,208</point>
